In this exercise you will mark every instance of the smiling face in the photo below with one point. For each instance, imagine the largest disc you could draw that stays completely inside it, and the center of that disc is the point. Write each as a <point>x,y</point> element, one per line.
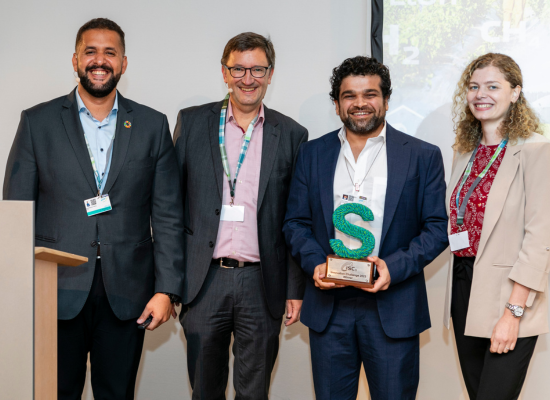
<point>361,105</point>
<point>99,61</point>
<point>490,95</point>
<point>248,92</point>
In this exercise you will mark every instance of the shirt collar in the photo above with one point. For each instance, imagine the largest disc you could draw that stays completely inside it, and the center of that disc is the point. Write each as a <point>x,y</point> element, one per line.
<point>381,137</point>
<point>82,106</point>
<point>232,119</point>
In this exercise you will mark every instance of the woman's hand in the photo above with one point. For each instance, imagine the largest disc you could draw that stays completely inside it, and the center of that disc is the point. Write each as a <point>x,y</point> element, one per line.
<point>505,334</point>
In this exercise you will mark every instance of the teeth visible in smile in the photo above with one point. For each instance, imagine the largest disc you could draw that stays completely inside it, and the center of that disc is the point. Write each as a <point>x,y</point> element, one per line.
<point>99,72</point>
<point>360,113</point>
<point>483,105</point>
<point>248,90</point>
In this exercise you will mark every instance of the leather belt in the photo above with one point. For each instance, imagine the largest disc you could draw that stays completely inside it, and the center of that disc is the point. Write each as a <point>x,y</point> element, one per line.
<point>225,262</point>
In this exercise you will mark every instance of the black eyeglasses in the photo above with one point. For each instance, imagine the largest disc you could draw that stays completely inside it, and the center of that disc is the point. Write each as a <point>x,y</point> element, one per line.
<point>239,72</point>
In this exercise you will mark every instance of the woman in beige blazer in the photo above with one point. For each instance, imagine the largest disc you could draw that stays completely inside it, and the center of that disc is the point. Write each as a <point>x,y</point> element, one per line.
<point>499,231</point>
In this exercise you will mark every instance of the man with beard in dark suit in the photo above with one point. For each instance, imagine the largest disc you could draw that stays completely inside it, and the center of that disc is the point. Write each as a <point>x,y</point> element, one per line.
<point>102,172</point>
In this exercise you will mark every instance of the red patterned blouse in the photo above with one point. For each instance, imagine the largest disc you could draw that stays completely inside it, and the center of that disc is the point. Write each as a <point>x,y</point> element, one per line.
<point>475,209</point>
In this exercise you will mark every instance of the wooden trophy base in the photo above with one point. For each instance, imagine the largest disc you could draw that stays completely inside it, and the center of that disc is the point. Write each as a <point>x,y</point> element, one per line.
<point>349,272</point>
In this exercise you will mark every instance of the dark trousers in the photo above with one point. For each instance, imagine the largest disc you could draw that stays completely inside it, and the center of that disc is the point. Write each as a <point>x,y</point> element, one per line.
<point>488,376</point>
<point>353,336</point>
<point>114,346</point>
<point>231,301</point>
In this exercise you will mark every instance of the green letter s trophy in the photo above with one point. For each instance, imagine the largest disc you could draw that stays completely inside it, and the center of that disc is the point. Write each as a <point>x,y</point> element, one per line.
<point>347,267</point>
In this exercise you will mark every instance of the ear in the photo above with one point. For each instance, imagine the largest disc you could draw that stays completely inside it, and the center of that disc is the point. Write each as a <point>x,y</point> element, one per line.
<point>337,104</point>
<point>124,64</point>
<point>75,62</point>
<point>271,70</point>
<point>515,93</point>
<point>386,103</point>
<point>224,72</point>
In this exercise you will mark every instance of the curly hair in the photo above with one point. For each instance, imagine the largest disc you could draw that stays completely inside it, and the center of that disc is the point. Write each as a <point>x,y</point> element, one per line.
<point>364,66</point>
<point>520,120</point>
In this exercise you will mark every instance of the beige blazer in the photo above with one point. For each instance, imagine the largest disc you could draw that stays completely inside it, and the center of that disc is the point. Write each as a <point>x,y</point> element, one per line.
<point>515,240</point>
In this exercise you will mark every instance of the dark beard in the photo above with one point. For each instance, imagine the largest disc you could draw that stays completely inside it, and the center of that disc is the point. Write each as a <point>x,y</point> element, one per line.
<point>99,91</point>
<point>367,127</point>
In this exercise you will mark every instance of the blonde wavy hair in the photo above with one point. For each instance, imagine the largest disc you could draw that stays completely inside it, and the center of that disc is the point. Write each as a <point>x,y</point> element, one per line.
<point>520,120</point>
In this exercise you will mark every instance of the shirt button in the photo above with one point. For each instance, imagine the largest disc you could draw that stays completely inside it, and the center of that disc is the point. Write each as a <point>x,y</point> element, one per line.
<point>99,127</point>
<point>240,181</point>
<point>210,244</point>
<point>236,229</point>
<point>101,149</point>
<point>548,249</point>
<point>93,244</point>
<point>233,252</point>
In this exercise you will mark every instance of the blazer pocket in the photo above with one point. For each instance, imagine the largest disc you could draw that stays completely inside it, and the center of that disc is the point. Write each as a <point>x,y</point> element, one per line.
<point>141,163</point>
<point>412,181</point>
<point>281,171</point>
<point>149,239</point>
<point>502,265</point>
<point>45,238</point>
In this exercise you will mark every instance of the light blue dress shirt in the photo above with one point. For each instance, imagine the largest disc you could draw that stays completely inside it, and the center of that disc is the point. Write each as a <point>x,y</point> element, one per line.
<point>99,136</point>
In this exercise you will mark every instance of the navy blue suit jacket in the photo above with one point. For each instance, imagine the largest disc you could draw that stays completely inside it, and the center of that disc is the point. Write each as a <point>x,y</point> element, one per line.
<point>414,230</point>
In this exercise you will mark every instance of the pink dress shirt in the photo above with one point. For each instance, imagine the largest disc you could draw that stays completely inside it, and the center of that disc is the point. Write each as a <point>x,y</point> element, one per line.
<point>239,240</point>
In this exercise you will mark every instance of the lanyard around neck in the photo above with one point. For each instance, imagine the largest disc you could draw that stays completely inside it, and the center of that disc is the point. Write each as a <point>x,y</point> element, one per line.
<point>244,147</point>
<point>461,209</point>
<point>99,178</point>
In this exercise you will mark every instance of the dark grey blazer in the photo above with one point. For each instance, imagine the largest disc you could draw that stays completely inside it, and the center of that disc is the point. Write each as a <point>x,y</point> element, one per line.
<point>202,178</point>
<point>49,163</point>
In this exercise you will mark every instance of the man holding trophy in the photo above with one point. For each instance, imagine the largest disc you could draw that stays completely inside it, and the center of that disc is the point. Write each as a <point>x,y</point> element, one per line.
<point>366,301</point>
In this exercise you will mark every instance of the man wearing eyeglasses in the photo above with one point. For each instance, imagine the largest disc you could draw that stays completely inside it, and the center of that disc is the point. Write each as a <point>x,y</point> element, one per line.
<point>236,159</point>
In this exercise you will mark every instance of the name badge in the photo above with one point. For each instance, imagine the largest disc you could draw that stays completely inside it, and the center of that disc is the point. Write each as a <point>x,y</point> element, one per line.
<point>232,213</point>
<point>459,241</point>
<point>97,205</point>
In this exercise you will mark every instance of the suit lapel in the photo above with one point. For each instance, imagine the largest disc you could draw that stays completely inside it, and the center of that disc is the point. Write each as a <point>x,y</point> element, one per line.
<point>122,141</point>
<point>327,160</point>
<point>214,135</point>
<point>270,145</point>
<point>75,133</point>
<point>498,193</point>
<point>398,155</point>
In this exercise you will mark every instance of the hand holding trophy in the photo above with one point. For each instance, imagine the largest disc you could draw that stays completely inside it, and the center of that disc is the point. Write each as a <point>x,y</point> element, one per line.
<point>347,267</point>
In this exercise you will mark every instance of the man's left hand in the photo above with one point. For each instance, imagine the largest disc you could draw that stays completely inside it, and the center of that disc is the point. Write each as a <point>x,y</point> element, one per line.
<point>384,278</point>
<point>293,308</point>
<point>160,308</point>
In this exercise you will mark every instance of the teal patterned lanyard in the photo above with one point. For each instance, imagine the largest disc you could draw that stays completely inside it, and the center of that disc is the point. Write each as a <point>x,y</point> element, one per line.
<point>461,209</point>
<point>244,147</point>
<point>99,178</point>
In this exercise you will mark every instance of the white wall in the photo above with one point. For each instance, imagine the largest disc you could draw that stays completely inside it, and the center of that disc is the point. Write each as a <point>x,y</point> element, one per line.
<point>173,50</point>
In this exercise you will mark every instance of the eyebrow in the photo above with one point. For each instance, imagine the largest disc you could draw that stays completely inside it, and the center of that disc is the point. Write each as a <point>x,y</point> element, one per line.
<point>488,82</point>
<point>95,48</point>
<point>362,91</point>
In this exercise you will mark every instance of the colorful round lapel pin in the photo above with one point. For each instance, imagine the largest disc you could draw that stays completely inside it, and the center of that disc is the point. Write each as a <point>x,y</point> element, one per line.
<point>127,124</point>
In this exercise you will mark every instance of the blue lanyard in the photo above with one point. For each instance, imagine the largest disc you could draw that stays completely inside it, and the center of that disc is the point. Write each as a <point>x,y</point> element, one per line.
<point>461,209</point>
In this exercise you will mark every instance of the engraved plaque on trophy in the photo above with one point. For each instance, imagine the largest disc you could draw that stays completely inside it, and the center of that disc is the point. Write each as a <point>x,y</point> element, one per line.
<point>348,267</point>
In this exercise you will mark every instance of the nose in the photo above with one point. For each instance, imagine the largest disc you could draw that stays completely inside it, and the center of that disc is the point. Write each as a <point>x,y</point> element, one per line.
<point>247,79</point>
<point>480,93</point>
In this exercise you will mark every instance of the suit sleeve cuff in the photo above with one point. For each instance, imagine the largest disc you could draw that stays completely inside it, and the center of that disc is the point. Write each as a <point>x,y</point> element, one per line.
<point>530,277</point>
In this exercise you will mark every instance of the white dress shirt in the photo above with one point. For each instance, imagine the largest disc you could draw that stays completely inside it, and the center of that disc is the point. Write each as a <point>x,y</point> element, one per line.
<point>372,184</point>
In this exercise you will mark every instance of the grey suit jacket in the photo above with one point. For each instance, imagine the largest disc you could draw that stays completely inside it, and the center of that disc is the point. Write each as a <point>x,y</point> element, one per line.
<point>49,163</point>
<point>202,177</point>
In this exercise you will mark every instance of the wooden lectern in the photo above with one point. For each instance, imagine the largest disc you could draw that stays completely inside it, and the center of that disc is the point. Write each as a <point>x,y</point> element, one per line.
<point>28,295</point>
